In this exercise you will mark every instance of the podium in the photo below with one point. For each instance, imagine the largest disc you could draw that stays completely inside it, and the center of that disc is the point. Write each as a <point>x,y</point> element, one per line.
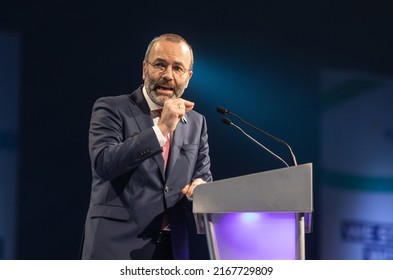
<point>261,216</point>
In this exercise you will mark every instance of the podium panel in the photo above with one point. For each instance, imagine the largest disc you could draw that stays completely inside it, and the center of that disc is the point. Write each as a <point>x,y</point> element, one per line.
<point>262,216</point>
<point>255,236</point>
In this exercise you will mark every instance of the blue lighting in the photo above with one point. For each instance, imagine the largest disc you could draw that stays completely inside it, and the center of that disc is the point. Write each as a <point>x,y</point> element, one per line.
<point>249,217</point>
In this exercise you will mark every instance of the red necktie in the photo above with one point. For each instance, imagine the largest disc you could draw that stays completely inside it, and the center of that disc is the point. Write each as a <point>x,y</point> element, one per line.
<point>167,146</point>
<point>165,150</point>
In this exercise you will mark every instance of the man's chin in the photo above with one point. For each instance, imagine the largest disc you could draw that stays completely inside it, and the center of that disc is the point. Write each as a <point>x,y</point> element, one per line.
<point>160,99</point>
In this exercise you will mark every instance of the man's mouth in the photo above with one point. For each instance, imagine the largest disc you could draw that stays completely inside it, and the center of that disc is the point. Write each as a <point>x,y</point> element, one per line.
<point>165,89</point>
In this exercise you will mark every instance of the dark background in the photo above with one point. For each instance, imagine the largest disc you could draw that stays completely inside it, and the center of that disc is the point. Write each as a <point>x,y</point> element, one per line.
<point>261,59</point>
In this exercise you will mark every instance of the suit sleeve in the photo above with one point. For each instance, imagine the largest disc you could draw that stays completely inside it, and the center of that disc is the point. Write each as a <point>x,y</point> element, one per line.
<point>202,167</point>
<point>112,155</point>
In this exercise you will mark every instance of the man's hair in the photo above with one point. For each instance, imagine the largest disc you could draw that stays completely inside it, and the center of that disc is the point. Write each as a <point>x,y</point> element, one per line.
<point>171,38</point>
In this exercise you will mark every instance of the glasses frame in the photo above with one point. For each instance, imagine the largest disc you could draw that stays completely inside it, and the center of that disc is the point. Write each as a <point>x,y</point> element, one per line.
<point>162,71</point>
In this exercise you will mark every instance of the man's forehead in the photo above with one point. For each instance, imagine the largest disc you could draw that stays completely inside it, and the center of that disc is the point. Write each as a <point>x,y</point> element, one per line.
<point>166,45</point>
<point>179,50</point>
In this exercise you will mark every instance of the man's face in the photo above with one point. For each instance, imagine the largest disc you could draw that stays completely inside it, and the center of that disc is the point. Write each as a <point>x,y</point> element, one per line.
<point>161,86</point>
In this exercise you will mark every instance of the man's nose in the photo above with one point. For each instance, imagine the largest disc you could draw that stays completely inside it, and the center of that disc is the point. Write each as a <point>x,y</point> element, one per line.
<point>168,73</point>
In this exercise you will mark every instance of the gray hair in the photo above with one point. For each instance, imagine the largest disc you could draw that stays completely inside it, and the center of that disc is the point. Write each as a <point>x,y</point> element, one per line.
<point>171,38</point>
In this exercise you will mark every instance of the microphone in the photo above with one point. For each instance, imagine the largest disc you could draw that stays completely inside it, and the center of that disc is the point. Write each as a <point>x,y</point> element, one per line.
<point>229,122</point>
<point>224,111</point>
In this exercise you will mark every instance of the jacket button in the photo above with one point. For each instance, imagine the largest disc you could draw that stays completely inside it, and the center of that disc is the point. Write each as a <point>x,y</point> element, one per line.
<point>166,189</point>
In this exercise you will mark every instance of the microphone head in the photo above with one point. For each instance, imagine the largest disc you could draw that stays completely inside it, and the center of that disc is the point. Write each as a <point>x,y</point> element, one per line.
<point>226,121</point>
<point>222,110</point>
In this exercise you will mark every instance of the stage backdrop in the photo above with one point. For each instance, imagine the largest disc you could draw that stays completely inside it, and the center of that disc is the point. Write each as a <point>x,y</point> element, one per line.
<point>357,166</point>
<point>9,99</point>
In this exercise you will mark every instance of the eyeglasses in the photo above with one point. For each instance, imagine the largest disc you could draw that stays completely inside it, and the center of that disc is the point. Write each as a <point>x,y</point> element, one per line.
<point>160,67</point>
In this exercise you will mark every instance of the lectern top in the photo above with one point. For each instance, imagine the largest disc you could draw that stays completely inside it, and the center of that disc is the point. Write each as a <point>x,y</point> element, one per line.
<point>281,190</point>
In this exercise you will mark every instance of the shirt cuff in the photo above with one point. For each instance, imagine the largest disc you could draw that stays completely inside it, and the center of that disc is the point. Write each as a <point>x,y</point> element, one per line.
<point>160,137</point>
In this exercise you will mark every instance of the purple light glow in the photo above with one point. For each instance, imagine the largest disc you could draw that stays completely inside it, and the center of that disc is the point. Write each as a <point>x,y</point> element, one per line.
<point>255,236</point>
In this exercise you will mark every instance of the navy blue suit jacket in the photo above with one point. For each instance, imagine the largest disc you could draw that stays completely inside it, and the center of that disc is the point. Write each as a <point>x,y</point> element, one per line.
<point>130,188</point>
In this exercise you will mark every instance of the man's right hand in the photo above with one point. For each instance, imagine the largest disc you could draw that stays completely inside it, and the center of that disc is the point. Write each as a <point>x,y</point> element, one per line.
<point>172,112</point>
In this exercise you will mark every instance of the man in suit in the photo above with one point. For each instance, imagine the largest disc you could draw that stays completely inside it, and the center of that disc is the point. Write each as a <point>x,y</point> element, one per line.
<point>148,152</point>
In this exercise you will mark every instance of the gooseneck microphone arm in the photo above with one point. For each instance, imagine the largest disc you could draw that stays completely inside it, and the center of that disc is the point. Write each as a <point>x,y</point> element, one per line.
<point>229,122</point>
<point>224,111</point>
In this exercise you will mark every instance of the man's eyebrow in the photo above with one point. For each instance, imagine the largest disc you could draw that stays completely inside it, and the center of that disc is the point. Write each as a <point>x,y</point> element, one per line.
<point>177,63</point>
<point>159,60</point>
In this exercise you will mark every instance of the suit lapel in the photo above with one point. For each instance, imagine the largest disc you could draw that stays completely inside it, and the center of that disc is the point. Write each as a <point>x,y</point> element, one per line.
<point>141,111</point>
<point>177,143</point>
<point>142,116</point>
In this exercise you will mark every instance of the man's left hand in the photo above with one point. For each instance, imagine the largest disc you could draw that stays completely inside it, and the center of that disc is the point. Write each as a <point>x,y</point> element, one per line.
<point>189,189</point>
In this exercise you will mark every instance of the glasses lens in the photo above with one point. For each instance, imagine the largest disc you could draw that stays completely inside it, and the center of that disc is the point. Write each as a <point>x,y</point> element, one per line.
<point>161,67</point>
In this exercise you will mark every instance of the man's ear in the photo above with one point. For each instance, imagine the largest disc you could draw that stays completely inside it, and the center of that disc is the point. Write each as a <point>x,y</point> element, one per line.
<point>189,77</point>
<point>144,69</point>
